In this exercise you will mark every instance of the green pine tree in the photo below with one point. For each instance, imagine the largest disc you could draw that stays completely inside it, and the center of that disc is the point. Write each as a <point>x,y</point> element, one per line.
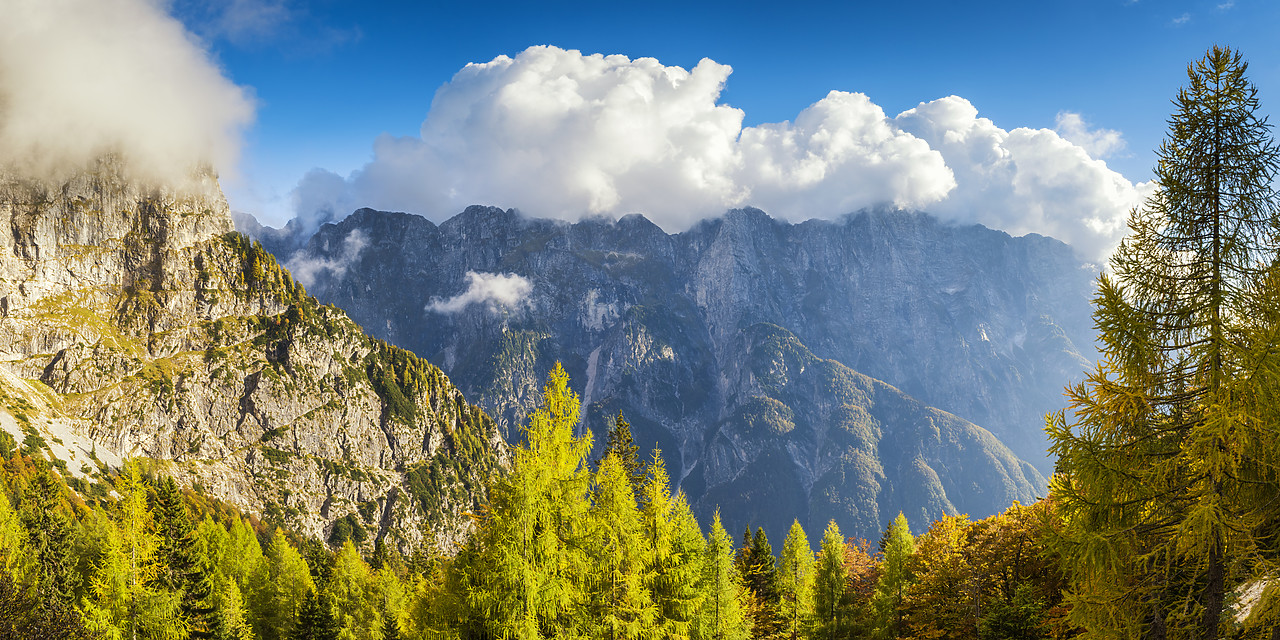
<point>620,444</point>
<point>173,530</point>
<point>759,572</point>
<point>1167,477</point>
<point>315,619</point>
<point>390,623</point>
<point>50,538</point>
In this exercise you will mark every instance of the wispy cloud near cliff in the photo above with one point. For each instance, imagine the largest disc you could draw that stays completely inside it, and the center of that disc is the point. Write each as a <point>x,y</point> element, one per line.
<point>79,78</point>
<point>496,291</point>
<point>560,134</point>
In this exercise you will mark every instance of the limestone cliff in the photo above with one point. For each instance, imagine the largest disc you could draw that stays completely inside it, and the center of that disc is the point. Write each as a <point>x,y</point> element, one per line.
<point>136,319</point>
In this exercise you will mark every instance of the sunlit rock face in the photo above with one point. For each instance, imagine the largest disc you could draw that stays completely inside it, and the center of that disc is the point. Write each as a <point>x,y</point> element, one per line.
<point>847,369</point>
<point>135,319</point>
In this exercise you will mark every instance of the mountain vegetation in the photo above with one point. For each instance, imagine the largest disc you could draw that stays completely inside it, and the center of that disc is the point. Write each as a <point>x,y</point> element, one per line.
<point>560,550</point>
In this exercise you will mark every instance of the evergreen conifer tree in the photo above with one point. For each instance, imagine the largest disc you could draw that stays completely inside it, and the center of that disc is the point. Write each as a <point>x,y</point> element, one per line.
<point>50,536</point>
<point>390,623</point>
<point>315,619</point>
<point>760,574</point>
<point>621,445</point>
<point>173,529</point>
<point>1167,476</point>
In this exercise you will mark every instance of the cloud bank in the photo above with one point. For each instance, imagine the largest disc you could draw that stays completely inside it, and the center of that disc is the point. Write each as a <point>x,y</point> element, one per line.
<point>494,290</point>
<point>80,78</point>
<point>556,133</point>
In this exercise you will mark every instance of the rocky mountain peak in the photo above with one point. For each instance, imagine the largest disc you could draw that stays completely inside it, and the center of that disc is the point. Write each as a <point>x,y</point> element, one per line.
<point>134,317</point>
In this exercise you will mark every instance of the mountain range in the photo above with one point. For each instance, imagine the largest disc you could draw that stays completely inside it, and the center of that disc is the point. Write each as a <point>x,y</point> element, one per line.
<point>845,370</point>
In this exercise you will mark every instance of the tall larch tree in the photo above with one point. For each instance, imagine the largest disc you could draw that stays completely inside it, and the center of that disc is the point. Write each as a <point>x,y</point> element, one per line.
<point>897,547</point>
<point>829,581</point>
<point>619,601</point>
<point>353,592</point>
<point>1167,474</point>
<point>795,582</point>
<point>675,547</point>
<point>277,588</point>
<point>527,579</point>
<point>724,614</point>
<point>15,559</point>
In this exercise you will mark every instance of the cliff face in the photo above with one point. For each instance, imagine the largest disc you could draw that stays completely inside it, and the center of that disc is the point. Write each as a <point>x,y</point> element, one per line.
<point>953,326</point>
<point>137,319</point>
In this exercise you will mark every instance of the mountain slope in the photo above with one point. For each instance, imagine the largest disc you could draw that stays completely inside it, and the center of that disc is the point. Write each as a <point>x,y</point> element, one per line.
<point>154,329</point>
<point>968,320</point>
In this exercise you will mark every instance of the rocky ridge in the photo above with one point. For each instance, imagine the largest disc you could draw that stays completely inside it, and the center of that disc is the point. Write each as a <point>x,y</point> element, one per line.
<point>137,319</point>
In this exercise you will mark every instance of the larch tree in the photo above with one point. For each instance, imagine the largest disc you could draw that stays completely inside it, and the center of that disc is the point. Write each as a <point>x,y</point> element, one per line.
<point>829,581</point>
<point>1167,474</point>
<point>675,546</point>
<point>527,577</point>
<point>723,615</point>
<point>897,547</point>
<point>277,588</point>
<point>15,559</point>
<point>352,590</point>
<point>795,582</point>
<point>619,601</point>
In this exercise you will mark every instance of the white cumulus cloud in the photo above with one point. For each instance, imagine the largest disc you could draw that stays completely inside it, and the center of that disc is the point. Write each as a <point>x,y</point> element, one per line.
<point>557,133</point>
<point>1024,180</point>
<point>79,78</point>
<point>494,290</point>
<point>1100,143</point>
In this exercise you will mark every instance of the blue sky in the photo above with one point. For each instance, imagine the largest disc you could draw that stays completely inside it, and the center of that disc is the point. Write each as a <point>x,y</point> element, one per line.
<point>330,76</point>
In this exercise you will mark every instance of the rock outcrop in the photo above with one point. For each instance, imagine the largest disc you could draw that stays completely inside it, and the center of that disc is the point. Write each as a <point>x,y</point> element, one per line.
<point>147,325</point>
